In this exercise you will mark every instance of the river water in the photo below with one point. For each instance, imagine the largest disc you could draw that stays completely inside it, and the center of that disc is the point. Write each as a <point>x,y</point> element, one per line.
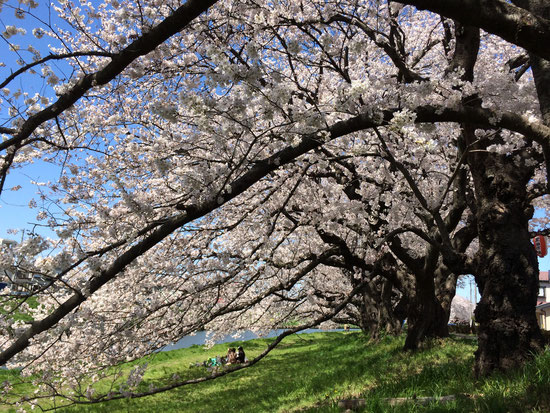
<point>201,336</point>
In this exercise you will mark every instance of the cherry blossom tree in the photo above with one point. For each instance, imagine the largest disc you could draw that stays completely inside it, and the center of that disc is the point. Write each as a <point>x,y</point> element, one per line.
<point>240,165</point>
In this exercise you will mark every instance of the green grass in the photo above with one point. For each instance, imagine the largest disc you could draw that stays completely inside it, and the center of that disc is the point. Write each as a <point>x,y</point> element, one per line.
<point>310,373</point>
<point>12,303</point>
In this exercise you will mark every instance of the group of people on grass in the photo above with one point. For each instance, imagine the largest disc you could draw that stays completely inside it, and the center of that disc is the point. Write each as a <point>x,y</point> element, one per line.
<point>234,356</point>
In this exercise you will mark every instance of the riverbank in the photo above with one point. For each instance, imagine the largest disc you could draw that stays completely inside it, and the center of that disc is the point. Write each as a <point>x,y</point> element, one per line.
<point>312,372</point>
<point>202,337</point>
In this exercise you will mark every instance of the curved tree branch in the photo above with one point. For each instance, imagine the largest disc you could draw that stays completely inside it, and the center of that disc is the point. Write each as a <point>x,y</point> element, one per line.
<point>140,47</point>
<point>512,23</point>
<point>48,58</point>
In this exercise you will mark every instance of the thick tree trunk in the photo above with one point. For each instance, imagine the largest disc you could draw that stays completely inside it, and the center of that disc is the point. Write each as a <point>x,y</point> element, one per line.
<point>376,310</point>
<point>507,267</point>
<point>445,292</point>
<point>387,318</point>
<point>445,279</point>
<point>377,315</point>
<point>426,318</point>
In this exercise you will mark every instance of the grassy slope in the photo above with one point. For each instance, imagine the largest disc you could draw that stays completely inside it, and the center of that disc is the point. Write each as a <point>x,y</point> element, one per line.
<point>312,372</point>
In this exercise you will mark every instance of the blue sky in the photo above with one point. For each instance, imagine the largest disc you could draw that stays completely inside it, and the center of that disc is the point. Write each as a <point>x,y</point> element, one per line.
<point>14,209</point>
<point>14,205</point>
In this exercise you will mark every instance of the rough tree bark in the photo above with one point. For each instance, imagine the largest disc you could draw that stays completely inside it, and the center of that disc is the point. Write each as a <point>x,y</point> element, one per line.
<point>506,263</point>
<point>507,266</point>
<point>426,318</point>
<point>377,315</point>
<point>425,315</point>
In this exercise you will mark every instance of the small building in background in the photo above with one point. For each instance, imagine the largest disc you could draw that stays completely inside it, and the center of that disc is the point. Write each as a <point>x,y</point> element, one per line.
<point>18,282</point>
<point>543,301</point>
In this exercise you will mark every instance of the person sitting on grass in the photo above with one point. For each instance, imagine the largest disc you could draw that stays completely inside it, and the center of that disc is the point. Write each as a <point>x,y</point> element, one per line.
<point>241,358</point>
<point>231,356</point>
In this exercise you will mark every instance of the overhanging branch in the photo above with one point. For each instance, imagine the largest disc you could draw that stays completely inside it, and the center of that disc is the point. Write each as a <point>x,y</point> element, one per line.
<point>425,114</point>
<point>514,24</point>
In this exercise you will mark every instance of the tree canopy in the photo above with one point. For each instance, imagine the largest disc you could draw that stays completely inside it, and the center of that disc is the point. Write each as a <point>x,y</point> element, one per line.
<point>242,165</point>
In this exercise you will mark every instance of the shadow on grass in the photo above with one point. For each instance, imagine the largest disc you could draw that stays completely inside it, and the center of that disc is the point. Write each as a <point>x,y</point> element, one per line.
<point>447,370</point>
<point>299,372</point>
<point>320,369</point>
